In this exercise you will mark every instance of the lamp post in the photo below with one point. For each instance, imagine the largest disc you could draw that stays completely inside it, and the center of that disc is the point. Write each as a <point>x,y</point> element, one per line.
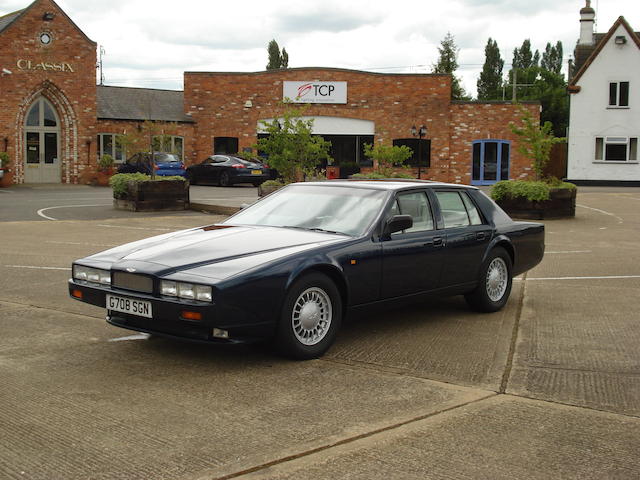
<point>419,132</point>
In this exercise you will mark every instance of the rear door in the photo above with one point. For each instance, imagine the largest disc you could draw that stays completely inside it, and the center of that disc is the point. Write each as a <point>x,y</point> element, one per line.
<point>467,235</point>
<point>412,259</point>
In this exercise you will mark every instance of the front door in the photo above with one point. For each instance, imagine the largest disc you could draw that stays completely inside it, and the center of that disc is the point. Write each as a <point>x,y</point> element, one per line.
<point>42,135</point>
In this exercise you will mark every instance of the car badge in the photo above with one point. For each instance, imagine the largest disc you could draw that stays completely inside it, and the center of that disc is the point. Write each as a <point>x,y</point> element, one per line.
<point>131,269</point>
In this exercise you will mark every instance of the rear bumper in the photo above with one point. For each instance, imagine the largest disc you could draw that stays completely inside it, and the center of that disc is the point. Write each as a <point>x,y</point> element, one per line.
<point>248,178</point>
<point>168,321</point>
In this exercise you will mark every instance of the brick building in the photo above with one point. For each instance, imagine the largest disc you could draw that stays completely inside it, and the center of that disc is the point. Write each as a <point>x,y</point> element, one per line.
<point>55,122</point>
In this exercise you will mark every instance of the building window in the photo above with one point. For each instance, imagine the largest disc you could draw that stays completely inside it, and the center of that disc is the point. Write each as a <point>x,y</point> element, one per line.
<point>490,161</point>
<point>109,144</point>
<point>225,145</point>
<point>616,149</point>
<point>619,94</point>
<point>421,148</point>
<point>169,144</point>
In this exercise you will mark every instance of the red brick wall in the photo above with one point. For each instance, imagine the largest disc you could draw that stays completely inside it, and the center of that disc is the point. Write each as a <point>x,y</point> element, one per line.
<point>394,102</point>
<point>73,93</point>
<point>480,121</point>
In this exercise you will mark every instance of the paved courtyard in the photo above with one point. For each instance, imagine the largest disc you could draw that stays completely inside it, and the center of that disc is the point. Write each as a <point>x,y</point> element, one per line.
<point>547,388</point>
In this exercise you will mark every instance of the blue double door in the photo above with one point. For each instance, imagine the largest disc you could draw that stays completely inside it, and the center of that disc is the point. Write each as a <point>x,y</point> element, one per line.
<point>491,161</point>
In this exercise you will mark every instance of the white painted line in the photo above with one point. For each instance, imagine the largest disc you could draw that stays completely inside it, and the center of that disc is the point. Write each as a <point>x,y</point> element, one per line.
<point>138,228</point>
<point>604,277</point>
<point>37,268</point>
<point>40,212</point>
<point>84,244</point>
<point>602,211</point>
<point>2,190</point>
<point>570,251</point>
<point>139,336</point>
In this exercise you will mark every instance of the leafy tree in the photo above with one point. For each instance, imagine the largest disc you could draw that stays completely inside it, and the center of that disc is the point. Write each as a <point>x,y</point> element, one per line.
<point>490,81</point>
<point>552,57</point>
<point>291,147</point>
<point>145,138</point>
<point>448,63</point>
<point>387,157</point>
<point>276,59</point>
<point>535,141</point>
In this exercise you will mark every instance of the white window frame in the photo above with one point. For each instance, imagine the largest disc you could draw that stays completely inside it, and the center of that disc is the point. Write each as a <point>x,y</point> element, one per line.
<point>172,139</point>
<point>101,151</point>
<point>618,89</point>
<point>631,147</point>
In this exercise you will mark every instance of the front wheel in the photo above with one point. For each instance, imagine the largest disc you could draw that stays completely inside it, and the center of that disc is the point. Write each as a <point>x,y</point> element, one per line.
<point>310,317</point>
<point>494,285</point>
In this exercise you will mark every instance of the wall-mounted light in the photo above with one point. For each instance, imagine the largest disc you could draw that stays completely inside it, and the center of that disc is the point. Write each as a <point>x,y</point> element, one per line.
<point>620,40</point>
<point>6,71</point>
<point>48,16</point>
<point>248,104</point>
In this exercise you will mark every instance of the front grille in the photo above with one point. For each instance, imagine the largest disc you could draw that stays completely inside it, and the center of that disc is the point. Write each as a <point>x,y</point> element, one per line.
<point>132,281</point>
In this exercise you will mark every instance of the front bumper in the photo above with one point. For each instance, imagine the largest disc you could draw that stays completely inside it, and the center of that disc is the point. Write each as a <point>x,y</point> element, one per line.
<point>168,321</point>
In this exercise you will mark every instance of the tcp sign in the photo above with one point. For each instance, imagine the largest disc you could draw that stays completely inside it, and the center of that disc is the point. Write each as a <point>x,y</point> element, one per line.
<point>315,92</point>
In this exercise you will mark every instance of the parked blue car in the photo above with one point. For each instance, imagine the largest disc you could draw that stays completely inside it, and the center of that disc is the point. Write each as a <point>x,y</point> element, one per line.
<point>164,164</point>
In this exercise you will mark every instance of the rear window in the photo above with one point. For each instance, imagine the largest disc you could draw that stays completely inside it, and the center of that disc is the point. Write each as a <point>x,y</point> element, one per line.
<point>166,157</point>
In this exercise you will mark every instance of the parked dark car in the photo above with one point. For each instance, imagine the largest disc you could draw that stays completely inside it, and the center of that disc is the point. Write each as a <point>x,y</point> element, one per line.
<point>165,164</point>
<point>290,266</point>
<point>227,170</point>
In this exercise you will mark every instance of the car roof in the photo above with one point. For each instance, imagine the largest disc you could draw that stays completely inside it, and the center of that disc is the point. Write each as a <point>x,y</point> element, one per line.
<point>385,184</point>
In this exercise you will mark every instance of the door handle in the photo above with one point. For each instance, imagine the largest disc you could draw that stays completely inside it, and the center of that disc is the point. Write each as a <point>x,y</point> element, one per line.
<point>481,235</point>
<point>436,242</point>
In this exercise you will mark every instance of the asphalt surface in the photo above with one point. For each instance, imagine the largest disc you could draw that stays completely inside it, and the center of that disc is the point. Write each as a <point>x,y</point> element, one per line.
<point>547,388</point>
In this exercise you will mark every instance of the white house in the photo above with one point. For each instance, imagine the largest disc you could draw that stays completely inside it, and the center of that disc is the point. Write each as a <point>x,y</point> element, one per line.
<point>604,119</point>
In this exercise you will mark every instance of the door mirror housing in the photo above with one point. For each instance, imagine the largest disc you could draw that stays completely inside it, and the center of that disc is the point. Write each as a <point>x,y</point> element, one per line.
<point>398,223</point>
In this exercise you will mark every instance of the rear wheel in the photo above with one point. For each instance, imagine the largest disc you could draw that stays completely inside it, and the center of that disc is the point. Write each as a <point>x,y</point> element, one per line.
<point>225,180</point>
<point>494,284</point>
<point>310,317</point>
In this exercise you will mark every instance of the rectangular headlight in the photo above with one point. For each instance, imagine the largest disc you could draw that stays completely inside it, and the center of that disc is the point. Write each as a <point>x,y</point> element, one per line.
<point>203,293</point>
<point>186,290</point>
<point>80,272</point>
<point>169,288</point>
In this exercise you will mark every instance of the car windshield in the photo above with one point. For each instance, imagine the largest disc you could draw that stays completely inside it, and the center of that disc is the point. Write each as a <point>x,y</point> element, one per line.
<point>335,209</point>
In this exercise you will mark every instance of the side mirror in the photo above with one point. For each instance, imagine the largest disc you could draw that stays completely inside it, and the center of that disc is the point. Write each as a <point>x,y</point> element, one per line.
<point>398,223</point>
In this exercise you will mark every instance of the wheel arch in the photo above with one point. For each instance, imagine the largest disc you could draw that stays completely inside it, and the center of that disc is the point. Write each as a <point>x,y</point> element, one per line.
<point>330,271</point>
<point>504,242</point>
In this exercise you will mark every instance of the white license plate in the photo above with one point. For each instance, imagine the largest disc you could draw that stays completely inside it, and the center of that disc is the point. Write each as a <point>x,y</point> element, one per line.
<point>129,305</point>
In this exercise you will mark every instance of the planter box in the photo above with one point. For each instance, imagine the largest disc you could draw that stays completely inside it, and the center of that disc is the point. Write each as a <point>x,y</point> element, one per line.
<point>561,204</point>
<point>154,196</point>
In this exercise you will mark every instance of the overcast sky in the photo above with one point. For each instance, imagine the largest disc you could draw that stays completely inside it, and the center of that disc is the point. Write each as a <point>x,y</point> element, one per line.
<point>151,43</point>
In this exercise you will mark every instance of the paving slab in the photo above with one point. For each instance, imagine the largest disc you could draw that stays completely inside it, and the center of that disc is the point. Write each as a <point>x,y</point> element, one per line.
<point>502,437</point>
<point>442,340</point>
<point>76,404</point>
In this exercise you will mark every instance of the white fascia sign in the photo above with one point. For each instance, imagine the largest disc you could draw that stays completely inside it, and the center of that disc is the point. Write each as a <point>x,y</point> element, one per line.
<point>315,92</point>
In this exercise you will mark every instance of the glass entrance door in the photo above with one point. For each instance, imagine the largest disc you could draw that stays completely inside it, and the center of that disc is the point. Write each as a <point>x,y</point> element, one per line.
<point>490,161</point>
<point>42,156</point>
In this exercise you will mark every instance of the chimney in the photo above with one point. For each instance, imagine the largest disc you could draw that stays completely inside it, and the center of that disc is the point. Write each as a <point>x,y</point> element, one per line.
<point>587,19</point>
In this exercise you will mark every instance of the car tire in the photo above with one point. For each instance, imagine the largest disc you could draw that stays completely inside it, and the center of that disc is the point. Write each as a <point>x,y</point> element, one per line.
<point>494,284</point>
<point>225,180</point>
<point>310,318</point>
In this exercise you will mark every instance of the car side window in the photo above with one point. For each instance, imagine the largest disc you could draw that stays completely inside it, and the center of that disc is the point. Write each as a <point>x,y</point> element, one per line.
<point>472,210</point>
<point>415,204</point>
<point>454,213</point>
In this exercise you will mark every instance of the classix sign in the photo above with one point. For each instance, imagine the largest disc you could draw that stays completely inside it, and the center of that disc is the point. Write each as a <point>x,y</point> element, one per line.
<point>315,92</point>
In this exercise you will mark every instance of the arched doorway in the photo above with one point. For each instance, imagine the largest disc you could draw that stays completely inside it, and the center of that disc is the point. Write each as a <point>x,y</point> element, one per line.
<point>42,143</point>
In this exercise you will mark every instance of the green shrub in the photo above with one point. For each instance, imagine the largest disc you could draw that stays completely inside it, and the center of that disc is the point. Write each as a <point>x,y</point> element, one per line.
<point>4,160</point>
<point>120,180</point>
<point>105,163</point>
<point>273,183</point>
<point>533,191</point>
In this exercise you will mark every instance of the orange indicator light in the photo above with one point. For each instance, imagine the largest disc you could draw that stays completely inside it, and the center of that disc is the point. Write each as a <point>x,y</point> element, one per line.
<point>77,294</point>
<point>353,262</point>
<point>191,315</point>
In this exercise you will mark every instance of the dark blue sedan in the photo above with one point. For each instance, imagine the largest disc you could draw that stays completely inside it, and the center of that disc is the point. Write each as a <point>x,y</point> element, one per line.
<point>227,170</point>
<point>291,266</point>
<point>162,164</point>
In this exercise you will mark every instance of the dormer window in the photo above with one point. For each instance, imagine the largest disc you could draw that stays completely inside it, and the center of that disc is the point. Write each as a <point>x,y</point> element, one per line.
<point>619,94</point>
